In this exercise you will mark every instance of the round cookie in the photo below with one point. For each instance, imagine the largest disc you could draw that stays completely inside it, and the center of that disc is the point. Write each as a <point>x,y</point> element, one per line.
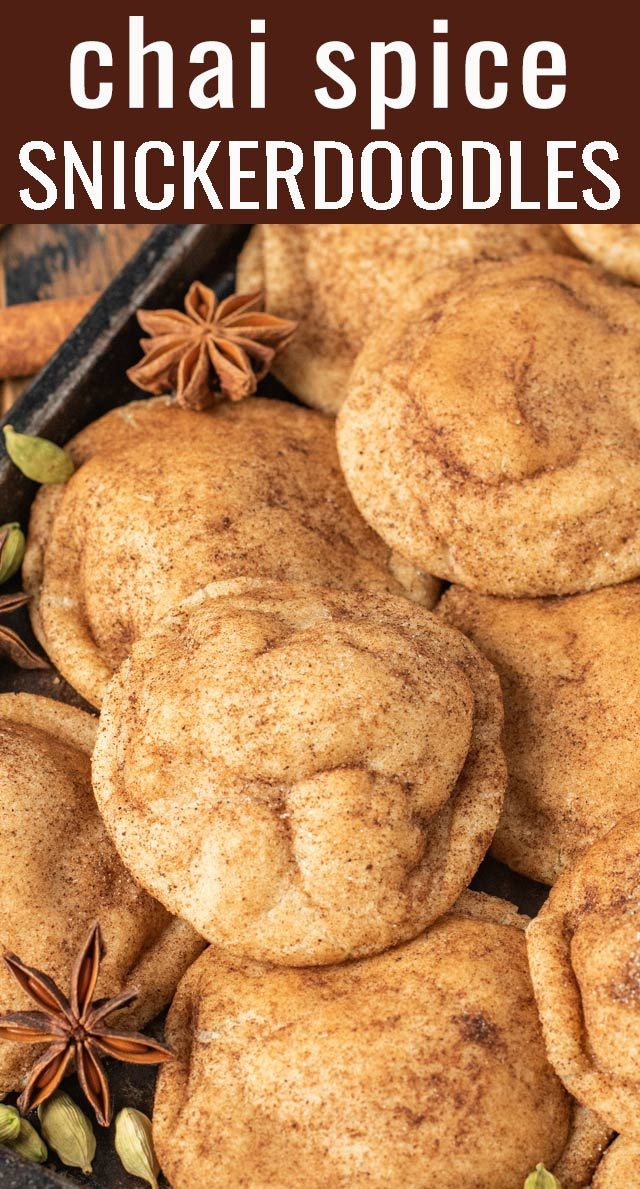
<point>341,280</point>
<point>399,1071</point>
<point>584,956</point>
<point>620,1167</point>
<point>493,439</point>
<point>59,872</point>
<point>616,246</point>
<point>568,668</point>
<point>165,500</point>
<point>305,775</point>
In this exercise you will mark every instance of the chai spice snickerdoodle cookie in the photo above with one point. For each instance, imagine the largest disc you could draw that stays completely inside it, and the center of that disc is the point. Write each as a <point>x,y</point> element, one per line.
<point>59,872</point>
<point>341,280</point>
<point>584,954</point>
<point>620,1166</point>
<point>165,499</point>
<point>569,669</point>
<point>616,246</point>
<point>422,1065</point>
<point>588,1139</point>
<point>305,775</point>
<point>493,439</point>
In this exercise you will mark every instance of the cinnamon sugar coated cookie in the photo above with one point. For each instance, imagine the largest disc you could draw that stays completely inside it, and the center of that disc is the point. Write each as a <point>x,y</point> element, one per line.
<point>616,246</point>
<point>589,1137</point>
<point>303,774</point>
<point>59,872</point>
<point>165,500</point>
<point>424,1065</point>
<point>342,280</point>
<point>493,438</point>
<point>620,1168</point>
<point>568,669</point>
<point>585,965</point>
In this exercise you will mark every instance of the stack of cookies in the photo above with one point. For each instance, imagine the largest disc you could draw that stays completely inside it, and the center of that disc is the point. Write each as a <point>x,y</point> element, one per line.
<point>337,662</point>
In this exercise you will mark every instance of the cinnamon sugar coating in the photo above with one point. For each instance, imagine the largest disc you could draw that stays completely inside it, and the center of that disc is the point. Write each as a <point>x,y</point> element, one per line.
<point>584,953</point>
<point>342,280</point>
<point>494,438</point>
<point>616,246</point>
<point>422,1065</point>
<point>588,1139</point>
<point>620,1167</point>
<point>305,775</point>
<point>59,872</point>
<point>568,668</point>
<point>165,500</point>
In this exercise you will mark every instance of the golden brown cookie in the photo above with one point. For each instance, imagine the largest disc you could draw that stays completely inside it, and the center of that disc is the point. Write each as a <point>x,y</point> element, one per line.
<point>584,953</point>
<point>568,668</point>
<point>423,1065</point>
<point>304,774</point>
<point>620,1168</point>
<point>588,1139</point>
<point>342,280</point>
<point>616,246</point>
<point>59,872</point>
<point>165,500</point>
<point>494,438</point>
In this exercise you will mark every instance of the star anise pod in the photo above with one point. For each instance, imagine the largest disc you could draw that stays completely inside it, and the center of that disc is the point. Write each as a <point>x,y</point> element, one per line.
<point>214,348</point>
<point>74,1028</point>
<point>10,643</point>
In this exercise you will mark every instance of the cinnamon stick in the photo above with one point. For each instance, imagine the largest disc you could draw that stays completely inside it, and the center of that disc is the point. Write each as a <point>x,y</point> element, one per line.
<point>31,332</point>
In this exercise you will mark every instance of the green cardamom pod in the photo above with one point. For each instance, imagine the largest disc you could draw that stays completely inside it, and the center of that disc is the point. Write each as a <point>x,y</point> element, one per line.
<point>38,458</point>
<point>68,1131</point>
<point>541,1178</point>
<point>9,1124</point>
<point>29,1144</point>
<point>11,550</point>
<point>134,1146</point>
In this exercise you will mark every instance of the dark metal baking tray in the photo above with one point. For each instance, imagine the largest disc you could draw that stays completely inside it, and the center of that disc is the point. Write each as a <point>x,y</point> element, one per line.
<point>85,378</point>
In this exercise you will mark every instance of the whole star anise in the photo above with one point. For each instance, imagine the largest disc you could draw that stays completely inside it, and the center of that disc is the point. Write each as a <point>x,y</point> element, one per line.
<point>213,348</point>
<point>10,643</point>
<point>74,1028</point>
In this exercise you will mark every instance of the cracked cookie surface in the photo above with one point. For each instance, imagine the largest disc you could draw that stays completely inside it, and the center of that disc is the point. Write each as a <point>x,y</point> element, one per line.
<point>303,774</point>
<point>569,669</point>
<point>493,438</point>
<point>59,872</point>
<point>339,280</point>
<point>398,1071</point>
<point>584,954</point>
<point>165,500</point>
